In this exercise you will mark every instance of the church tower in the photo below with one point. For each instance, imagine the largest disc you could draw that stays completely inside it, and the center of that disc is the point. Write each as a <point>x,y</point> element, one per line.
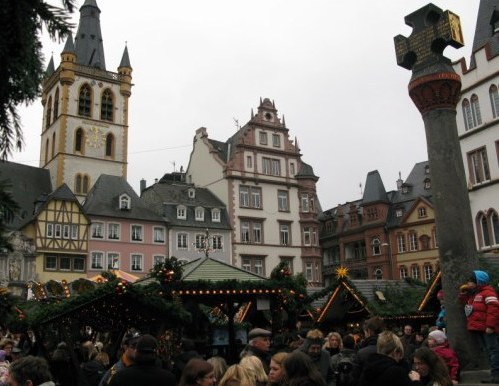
<point>85,117</point>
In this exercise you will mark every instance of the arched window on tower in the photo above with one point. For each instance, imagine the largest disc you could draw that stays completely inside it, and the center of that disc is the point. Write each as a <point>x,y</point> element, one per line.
<point>106,106</point>
<point>85,101</point>
<point>494,100</point>
<point>78,183</point>
<point>495,226</point>
<point>468,120</point>
<point>110,145</point>
<point>56,103</point>
<point>48,117</point>
<point>79,140</point>
<point>86,183</point>
<point>475,111</point>
<point>483,230</point>
<point>53,145</point>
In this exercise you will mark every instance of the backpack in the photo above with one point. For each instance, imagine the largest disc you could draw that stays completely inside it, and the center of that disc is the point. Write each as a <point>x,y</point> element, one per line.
<point>345,371</point>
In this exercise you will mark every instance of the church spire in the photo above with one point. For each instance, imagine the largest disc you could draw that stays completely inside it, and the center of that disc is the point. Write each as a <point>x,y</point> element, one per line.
<point>69,47</point>
<point>88,40</point>
<point>125,60</point>
<point>50,68</point>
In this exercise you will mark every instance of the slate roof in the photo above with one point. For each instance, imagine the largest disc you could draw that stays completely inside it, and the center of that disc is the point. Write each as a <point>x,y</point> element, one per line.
<point>215,270</point>
<point>488,13</point>
<point>103,200</point>
<point>164,196</point>
<point>415,184</point>
<point>28,184</point>
<point>88,39</point>
<point>125,59</point>
<point>69,46</point>
<point>306,171</point>
<point>50,67</point>
<point>222,147</point>
<point>374,190</point>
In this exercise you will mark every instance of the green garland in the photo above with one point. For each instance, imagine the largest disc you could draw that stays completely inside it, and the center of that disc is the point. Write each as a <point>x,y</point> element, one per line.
<point>110,301</point>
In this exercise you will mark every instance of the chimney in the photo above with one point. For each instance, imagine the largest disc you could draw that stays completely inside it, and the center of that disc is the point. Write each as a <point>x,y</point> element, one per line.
<point>399,182</point>
<point>142,185</point>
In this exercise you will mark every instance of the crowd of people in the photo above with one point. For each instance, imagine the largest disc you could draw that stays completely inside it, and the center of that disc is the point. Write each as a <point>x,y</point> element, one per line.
<point>376,356</point>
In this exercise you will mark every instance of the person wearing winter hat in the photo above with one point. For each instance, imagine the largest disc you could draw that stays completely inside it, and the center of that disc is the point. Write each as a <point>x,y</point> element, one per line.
<point>259,342</point>
<point>312,346</point>
<point>437,341</point>
<point>127,359</point>
<point>481,307</point>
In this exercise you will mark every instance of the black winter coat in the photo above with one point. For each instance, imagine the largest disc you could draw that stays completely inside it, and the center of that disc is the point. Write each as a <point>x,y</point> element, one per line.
<point>382,370</point>
<point>149,375</point>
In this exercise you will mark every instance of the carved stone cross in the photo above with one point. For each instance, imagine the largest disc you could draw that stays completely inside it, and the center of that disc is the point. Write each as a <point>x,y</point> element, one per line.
<point>433,31</point>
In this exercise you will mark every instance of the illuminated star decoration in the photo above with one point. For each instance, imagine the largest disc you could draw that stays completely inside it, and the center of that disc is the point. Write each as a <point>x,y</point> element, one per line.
<point>341,272</point>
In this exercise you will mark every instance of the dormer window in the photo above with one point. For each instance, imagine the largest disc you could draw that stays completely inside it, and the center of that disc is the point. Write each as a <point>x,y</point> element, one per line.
<point>427,184</point>
<point>427,169</point>
<point>199,214</point>
<point>405,189</point>
<point>399,212</point>
<point>215,215</point>
<point>181,212</point>
<point>125,202</point>
<point>191,193</point>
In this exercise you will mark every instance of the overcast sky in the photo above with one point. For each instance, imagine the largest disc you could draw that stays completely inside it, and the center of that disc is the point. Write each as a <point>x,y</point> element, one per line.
<point>329,66</point>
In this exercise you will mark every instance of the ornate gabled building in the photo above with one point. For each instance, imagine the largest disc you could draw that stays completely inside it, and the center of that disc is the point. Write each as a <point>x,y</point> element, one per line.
<point>411,226</point>
<point>478,126</point>
<point>85,124</point>
<point>59,227</point>
<point>269,192</point>
<point>385,235</point>
<point>198,224</point>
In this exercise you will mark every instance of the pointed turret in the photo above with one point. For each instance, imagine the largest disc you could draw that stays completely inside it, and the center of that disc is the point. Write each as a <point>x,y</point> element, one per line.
<point>125,60</point>
<point>50,68</point>
<point>68,60</point>
<point>487,28</point>
<point>88,40</point>
<point>125,70</point>
<point>69,47</point>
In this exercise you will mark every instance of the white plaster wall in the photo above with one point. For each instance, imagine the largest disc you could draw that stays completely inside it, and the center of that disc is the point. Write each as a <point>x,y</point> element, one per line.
<point>204,171</point>
<point>478,81</point>
<point>191,253</point>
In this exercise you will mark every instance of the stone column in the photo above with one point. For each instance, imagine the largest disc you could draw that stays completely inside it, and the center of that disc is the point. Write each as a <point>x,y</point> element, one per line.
<point>435,90</point>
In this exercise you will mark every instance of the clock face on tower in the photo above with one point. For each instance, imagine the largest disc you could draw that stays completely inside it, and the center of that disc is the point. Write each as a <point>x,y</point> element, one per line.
<point>95,137</point>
